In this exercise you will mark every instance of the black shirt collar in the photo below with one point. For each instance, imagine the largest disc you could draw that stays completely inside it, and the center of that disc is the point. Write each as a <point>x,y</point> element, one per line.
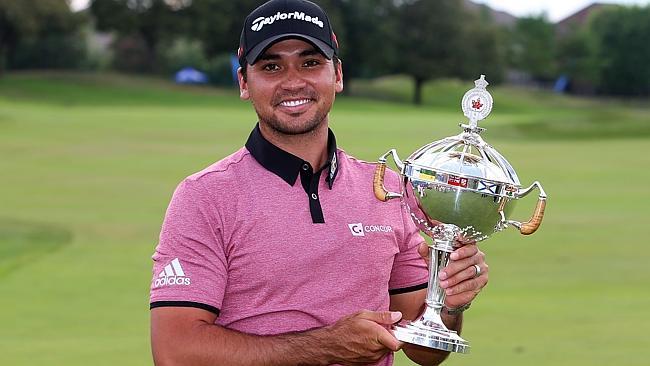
<point>286,165</point>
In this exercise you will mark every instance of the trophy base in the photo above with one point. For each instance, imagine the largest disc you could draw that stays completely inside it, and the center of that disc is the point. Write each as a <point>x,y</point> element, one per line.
<point>416,332</point>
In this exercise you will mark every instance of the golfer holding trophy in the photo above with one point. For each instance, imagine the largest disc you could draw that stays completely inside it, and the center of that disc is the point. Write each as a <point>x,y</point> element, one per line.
<point>457,190</point>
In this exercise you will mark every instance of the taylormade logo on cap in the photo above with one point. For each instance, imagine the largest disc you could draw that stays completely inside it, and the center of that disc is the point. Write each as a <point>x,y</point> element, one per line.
<point>298,15</point>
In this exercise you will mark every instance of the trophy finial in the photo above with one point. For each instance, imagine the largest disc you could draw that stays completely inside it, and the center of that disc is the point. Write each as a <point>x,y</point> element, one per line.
<point>481,82</point>
<point>477,103</point>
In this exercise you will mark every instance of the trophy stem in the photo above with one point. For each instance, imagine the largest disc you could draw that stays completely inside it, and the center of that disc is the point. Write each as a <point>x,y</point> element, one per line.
<point>429,330</point>
<point>438,259</point>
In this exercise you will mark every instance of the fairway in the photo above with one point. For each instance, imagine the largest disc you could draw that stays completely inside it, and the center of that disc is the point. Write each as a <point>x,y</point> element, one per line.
<point>88,164</point>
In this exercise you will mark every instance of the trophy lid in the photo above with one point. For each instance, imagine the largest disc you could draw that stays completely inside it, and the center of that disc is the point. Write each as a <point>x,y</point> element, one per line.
<point>466,160</point>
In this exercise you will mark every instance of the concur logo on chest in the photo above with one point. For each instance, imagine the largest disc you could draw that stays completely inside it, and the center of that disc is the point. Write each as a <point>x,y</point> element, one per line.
<point>359,229</point>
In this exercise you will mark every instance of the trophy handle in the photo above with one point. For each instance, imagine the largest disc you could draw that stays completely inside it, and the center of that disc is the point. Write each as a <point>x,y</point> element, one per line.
<point>381,192</point>
<point>530,226</point>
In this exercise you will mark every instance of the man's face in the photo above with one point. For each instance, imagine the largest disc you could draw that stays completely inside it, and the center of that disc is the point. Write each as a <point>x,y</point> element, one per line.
<point>292,87</point>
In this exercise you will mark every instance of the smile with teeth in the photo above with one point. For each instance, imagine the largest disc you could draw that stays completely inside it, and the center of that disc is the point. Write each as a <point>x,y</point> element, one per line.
<point>295,103</point>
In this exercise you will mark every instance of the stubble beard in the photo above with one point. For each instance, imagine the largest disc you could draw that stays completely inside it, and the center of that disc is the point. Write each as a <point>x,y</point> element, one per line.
<point>293,129</point>
<point>289,126</point>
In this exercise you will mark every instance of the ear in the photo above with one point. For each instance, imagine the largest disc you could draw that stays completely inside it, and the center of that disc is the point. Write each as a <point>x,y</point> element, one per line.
<point>243,86</point>
<point>339,77</point>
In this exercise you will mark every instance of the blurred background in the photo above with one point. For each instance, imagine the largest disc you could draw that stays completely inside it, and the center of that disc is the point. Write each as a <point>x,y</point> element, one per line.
<point>105,105</point>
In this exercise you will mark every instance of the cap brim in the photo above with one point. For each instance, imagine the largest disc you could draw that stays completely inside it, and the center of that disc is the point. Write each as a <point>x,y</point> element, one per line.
<point>255,53</point>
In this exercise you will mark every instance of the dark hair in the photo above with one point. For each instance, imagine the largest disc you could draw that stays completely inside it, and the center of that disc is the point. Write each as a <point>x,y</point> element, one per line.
<point>335,60</point>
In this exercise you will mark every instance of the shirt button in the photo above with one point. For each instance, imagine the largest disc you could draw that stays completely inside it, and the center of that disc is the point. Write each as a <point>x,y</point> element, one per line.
<point>305,167</point>
<point>314,196</point>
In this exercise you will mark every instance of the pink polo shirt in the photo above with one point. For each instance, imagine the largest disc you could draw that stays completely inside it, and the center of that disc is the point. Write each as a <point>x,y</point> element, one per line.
<point>242,242</point>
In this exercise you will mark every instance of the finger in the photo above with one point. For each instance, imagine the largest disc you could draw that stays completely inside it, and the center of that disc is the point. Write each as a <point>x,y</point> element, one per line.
<point>461,240</point>
<point>455,267</point>
<point>381,317</point>
<point>468,273</point>
<point>460,299</point>
<point>388,340</point>
<point>475,284</point>
<point>423,250</point>
<point>464,252</point>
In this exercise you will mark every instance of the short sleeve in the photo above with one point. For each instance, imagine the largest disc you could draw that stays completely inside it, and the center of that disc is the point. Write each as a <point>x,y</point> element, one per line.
<point>409,272</point>
<point>190,268</point>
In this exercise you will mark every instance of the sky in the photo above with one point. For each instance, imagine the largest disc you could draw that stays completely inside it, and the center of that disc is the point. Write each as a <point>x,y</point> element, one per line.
<point>555,9</point>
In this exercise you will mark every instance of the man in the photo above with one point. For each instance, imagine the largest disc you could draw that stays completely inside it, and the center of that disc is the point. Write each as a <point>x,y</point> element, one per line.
<point>254,269</point>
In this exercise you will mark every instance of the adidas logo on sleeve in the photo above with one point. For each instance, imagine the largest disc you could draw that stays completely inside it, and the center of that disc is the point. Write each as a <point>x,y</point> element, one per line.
<point>171,275</point>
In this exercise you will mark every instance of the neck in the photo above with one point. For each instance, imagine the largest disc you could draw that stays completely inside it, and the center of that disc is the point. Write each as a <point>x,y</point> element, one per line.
<point>311,146</point>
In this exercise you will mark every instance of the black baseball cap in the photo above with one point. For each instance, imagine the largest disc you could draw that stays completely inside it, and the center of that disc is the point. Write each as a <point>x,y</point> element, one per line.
<point>277,20</point>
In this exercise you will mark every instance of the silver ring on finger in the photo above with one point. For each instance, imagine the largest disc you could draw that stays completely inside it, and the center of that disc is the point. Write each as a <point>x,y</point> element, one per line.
<point>478,270</point>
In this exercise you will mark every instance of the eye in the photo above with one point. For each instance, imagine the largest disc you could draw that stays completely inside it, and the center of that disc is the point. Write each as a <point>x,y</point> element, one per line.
<point>270,67</point>
<point>312,63</point>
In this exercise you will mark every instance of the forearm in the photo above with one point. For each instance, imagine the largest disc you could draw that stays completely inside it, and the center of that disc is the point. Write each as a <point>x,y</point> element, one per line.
<point>453,322</point>
<point>428,356</point>
<point>209,344</point>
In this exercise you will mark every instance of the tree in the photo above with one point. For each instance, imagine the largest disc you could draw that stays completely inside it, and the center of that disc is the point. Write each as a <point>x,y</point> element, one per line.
<point>577,59</point>
<point>32,26</point>
<point>623,50</point>
<point>366,32</point>
<point>482,47</point>
<point>218,23</point>
<point>532,47</point>
<point>429,40</point>
<point>149,22</point>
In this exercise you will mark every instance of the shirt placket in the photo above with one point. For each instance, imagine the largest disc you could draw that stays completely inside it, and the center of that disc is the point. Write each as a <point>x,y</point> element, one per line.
<point>309,181</point>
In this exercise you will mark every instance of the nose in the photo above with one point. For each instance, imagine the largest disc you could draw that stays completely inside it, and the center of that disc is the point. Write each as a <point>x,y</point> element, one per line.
<point>293,79</point>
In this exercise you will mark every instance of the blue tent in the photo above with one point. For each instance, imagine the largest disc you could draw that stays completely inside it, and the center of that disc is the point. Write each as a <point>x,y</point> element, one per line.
<point>561,84</point>
<point>189,75</point>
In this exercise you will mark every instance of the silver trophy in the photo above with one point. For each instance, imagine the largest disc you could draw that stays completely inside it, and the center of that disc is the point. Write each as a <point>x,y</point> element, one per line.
<point>457,189</point>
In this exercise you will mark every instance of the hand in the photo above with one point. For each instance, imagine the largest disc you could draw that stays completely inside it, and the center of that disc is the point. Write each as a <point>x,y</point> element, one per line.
<point>457,279</point>
<point>363,337</point>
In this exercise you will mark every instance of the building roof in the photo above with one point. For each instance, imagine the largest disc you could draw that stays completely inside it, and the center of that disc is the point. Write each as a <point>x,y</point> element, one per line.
<point>577,19</point>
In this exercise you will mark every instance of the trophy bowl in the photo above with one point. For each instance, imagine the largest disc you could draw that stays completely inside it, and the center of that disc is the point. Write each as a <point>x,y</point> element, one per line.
<point>456,189</point>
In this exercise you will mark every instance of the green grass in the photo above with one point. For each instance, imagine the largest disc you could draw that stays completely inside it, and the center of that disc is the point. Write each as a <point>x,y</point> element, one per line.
<point>89,162</point>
